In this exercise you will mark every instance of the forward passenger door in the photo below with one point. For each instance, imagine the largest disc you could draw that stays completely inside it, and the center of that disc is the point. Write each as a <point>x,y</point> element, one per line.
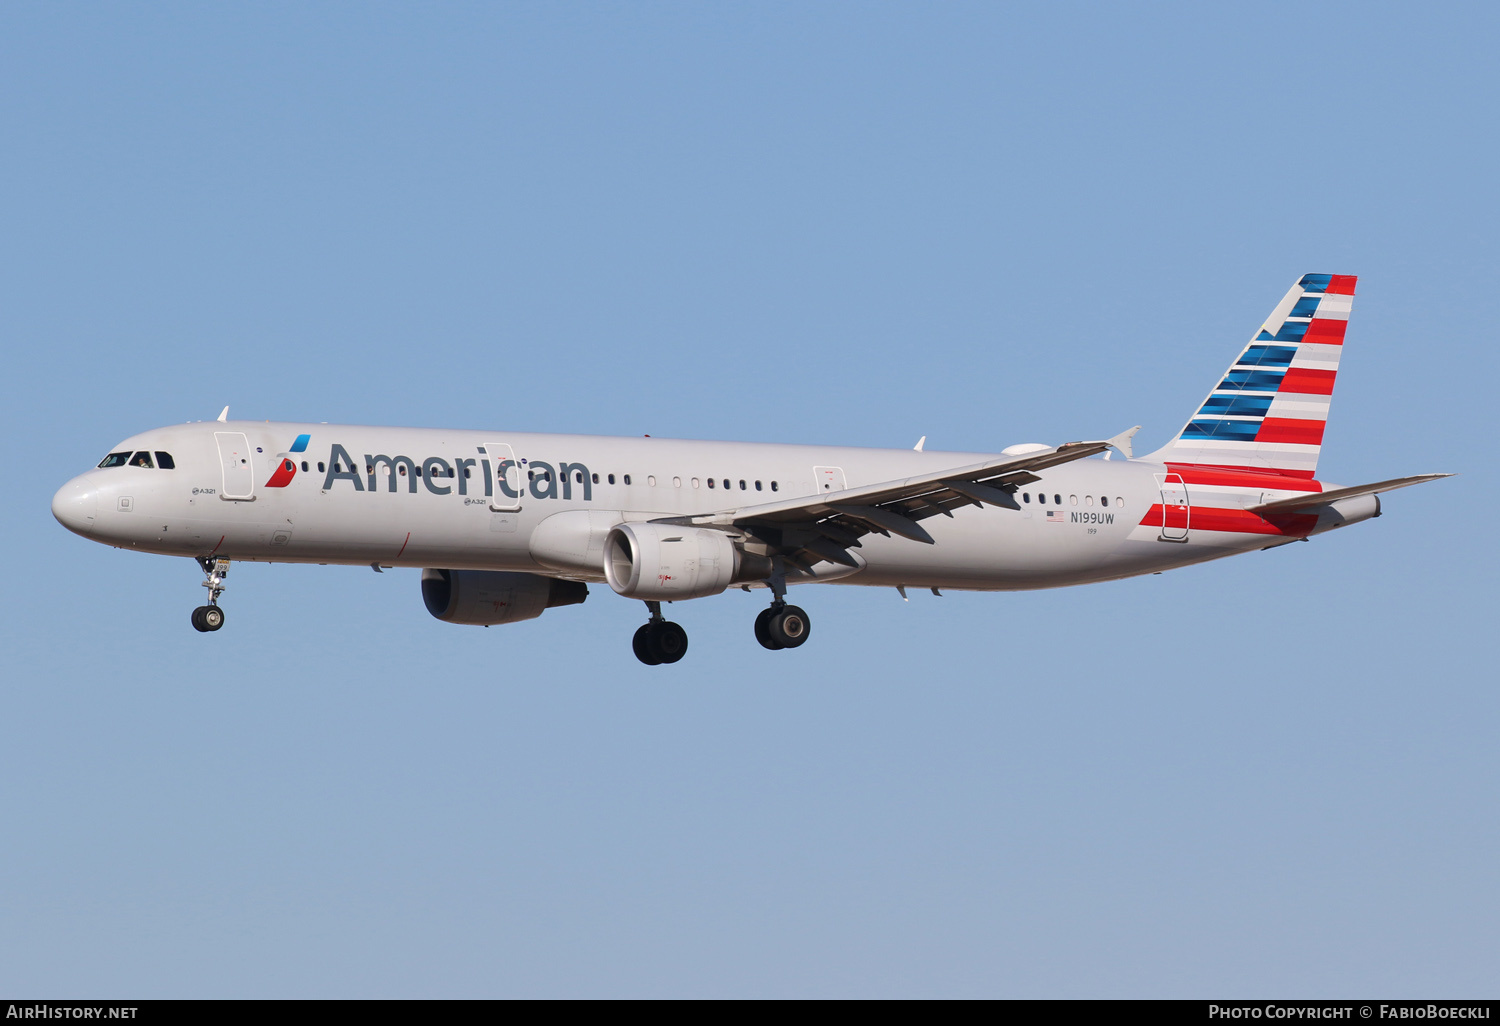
<point>506,469</point>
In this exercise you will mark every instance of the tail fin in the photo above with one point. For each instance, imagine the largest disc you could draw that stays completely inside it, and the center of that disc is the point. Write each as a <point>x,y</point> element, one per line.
<point>1269,412</point>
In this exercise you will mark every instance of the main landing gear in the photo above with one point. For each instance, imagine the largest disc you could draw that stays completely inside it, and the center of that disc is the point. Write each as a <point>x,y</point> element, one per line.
<point>781,626</point>
<point>211,617</point>
<point>659,641</point>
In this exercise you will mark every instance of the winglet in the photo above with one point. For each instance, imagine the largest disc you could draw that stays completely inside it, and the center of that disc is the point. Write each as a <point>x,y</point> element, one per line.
<point>920,442</point>
<point>1122,441</point>
<point>224,415</point>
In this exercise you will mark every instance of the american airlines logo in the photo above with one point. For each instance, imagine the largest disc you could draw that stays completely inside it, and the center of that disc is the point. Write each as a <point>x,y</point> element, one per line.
<point>287,469</point>
<point>440,477</point>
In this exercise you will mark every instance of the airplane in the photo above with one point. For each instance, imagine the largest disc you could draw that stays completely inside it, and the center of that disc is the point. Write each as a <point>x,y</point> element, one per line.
<point>505,525</point>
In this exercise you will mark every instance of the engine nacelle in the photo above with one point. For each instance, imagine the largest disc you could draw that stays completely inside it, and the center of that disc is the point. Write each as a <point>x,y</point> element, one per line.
<point>494,596</point>
<point>659,562</point>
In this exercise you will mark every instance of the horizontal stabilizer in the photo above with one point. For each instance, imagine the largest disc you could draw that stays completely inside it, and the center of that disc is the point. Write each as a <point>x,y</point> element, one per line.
<point>1311,499</point>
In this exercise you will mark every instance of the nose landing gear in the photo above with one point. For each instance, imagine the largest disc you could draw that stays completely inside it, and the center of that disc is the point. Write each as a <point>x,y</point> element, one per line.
<point>658,640</point>
<point>210,617</point>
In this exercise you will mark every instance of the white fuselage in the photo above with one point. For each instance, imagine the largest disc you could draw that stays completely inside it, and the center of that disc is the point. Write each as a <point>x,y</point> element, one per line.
<point>442,505</point>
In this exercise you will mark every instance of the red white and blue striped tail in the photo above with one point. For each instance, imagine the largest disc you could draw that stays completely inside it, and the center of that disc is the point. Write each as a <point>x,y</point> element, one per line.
<point>1269,412</point>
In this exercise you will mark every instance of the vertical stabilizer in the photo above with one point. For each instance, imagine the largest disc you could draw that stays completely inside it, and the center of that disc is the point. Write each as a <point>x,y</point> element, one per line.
<point>1269,411</point>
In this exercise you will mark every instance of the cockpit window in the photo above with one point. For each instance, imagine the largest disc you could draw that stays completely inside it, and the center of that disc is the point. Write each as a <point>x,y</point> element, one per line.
<point>142,459</point>
<point>164,461</point>
<point>114,459</point>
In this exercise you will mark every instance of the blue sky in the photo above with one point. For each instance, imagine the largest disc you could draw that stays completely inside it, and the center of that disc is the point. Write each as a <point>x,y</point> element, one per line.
<point>846,223</point>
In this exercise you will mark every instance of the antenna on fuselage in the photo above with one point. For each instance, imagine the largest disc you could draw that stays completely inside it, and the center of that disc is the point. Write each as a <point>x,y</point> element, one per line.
<point>224,415</point>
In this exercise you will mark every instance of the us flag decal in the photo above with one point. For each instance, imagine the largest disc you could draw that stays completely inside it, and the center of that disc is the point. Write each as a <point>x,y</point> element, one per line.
<point>1055,516</point>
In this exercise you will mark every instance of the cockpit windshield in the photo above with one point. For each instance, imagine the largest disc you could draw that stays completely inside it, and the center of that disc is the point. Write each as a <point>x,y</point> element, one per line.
<point>164,460</point>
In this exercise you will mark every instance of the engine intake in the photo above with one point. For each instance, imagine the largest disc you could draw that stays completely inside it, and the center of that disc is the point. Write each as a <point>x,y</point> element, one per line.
<point>660,562</point>
<point>495,596</point>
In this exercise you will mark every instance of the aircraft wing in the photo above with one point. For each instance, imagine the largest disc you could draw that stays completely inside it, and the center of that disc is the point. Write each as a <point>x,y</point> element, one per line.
<point>811,528</point>
<point>1311,499</point>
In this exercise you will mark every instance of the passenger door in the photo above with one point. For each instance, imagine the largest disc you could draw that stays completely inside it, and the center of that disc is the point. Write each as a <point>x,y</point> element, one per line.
<point>1175,508</point>
<point>239,472</point>
<point>504,467</point>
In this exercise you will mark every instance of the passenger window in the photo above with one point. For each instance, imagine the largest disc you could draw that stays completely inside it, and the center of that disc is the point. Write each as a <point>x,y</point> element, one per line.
<point>757,486</point>
<point>1119,501</point>
<point>1104,500</point>
<point>775,487</point>
<point>1057,500</point>
<point>1073,500</point>
<point>304,465</point>
<point>651,480</point>
<point>695,482</point>
<point>1041,497</point>
<point>1088,500</point>
<point>1025,496</point>
<point>676,482</point>
<point>164,461</point>
<point>611,479</point>
<point>114,459</point>
<point>141,459</point>
<point>726,482</point>
<point>320,468</point>
<point>578,478</point>
<point>711,483</point>
<point>742,486</point>
<point>627,478</point>
<point>596,478</point>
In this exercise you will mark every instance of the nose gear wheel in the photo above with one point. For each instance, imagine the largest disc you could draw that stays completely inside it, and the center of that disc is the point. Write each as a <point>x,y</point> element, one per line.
<point>210,618</point>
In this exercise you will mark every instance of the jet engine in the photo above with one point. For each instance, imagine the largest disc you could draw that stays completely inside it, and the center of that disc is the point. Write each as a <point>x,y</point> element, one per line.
<point>660,562</point>
<point>493,596</point>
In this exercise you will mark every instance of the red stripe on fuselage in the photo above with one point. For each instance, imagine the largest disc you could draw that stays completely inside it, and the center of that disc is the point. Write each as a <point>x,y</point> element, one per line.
<point>1234,477</point>
<point>1262,472</point>
<point>1238,521</point>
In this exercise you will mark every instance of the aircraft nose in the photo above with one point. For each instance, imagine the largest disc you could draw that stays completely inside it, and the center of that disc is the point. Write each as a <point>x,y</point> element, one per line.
<point>75,506</point>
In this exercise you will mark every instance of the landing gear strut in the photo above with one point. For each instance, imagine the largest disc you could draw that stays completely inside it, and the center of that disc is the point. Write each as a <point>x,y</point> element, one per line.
<point>211,617</point>
<point>659,641</point>
<point>781,626</point>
